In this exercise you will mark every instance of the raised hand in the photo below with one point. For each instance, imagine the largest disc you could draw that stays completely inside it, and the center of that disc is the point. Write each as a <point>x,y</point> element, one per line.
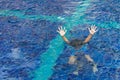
<point>92,29</point>
<point>61,31</point>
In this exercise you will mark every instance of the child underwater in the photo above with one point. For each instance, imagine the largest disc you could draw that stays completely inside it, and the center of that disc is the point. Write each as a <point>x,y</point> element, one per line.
<point>78,44</point>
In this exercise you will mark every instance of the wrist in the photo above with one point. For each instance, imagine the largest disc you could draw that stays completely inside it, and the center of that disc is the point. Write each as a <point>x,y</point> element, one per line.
<point>91,34</point>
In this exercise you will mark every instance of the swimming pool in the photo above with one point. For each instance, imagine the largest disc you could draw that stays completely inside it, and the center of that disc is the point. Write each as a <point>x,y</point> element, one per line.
<point>31,49</point>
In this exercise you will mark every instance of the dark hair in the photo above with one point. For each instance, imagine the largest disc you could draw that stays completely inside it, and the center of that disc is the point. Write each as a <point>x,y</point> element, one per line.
<point>76,43</point>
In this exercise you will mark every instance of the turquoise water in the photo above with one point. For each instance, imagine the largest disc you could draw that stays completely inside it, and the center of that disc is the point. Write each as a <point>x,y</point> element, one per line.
<point>55,46</point>
<point>55,49</point>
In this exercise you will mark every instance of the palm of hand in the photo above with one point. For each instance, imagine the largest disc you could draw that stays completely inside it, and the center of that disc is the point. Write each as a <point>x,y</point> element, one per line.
<point>61,31</point>
<point>93,29</point>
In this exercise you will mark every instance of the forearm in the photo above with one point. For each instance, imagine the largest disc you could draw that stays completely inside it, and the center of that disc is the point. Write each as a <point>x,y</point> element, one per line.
<point>88,38</point>
<point>65,39</point>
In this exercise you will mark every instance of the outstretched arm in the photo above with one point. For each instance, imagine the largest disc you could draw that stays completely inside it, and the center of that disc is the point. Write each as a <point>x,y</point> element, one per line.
<point>62,32</point>
<point>92,31</point>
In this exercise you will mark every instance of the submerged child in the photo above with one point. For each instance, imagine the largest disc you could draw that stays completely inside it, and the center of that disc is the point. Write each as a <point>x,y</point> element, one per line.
<point>77,44</point>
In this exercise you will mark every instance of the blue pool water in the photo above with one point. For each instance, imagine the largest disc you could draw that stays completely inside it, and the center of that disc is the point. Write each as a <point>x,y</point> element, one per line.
<point>31,49</point>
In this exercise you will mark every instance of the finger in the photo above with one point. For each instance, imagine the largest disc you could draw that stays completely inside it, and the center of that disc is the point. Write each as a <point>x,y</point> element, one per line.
<point>96,30</point>
<point>95,27</point>
<point>89,29</point>
<point>64,29</point>
<point>61,27</point>
<point>92,26</point>
<point>58,31</point>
